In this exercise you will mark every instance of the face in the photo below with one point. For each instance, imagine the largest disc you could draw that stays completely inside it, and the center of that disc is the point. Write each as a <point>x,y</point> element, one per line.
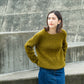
<point>53,21</point>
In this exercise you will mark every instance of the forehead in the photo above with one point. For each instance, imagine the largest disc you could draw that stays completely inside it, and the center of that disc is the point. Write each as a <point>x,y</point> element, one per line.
<point>52,15</point>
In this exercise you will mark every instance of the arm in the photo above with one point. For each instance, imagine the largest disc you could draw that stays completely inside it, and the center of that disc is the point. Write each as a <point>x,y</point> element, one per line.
<point>29,48</point>
<point>64,45</point>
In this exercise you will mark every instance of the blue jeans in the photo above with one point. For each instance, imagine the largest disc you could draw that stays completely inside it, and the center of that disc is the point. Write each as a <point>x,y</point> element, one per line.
<point>48,76</point>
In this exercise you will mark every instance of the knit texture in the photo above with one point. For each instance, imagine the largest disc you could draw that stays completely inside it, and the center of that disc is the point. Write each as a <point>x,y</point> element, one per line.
<point>50,49</point>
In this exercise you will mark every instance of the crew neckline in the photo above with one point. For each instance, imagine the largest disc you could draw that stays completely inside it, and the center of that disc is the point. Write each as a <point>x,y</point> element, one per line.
<point>50,34</point>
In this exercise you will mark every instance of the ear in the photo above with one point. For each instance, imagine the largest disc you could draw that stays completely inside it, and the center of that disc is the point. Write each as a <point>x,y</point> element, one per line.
<point>59,21</point>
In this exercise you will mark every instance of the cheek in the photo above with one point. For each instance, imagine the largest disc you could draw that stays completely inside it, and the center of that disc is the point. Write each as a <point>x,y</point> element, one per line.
<point>48,21</point>
<point>56,22</point>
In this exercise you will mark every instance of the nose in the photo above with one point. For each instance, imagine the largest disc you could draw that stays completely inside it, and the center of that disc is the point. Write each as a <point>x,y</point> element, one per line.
<point>50,20</point>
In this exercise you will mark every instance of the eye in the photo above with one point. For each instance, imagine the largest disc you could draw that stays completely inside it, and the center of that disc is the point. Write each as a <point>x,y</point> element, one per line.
<point>48,18</point>
<point>53,18</point>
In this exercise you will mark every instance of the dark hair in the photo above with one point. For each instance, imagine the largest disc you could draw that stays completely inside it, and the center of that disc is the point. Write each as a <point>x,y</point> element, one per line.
<point>59,26</point>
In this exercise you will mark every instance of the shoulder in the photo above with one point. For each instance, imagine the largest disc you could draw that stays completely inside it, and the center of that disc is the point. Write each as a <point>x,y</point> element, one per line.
<point>39,33</point>
<point>64,32</point>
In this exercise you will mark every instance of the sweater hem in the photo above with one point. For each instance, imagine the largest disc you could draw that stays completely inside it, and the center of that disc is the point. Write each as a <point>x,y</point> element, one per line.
<point>52,68</point>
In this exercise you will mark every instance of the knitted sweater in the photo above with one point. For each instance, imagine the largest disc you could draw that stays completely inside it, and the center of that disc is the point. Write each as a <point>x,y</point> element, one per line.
<point>50,49</point>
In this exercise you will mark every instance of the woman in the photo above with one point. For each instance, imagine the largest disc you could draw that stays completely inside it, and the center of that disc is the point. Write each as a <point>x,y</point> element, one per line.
<point>51,47</point>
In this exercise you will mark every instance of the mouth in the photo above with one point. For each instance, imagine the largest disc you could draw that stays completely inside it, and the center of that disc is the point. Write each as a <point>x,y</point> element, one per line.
<point>50,24</point>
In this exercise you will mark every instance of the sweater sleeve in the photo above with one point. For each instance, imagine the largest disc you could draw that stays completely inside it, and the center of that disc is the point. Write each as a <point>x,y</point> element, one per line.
<point>29,48</point>
<point>64,44</point>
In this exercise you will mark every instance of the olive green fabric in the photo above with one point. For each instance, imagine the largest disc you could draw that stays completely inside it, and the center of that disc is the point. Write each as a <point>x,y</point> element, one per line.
<point>50,49</point>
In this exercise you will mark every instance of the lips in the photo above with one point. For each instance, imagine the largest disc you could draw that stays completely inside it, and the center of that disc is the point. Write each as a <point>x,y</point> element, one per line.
<point>50,24</point>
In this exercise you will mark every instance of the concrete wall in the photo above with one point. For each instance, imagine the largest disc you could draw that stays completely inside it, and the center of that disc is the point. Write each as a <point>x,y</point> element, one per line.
<point>14,58</point>
<point>12,52</point>
<point>74,74</point>
<point>26,15</point>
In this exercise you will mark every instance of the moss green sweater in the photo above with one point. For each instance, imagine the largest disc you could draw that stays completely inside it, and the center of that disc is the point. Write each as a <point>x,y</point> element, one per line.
<point>50,49</point>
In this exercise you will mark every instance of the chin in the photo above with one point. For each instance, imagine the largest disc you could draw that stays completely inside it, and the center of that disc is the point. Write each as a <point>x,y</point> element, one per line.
<point>51,27</point>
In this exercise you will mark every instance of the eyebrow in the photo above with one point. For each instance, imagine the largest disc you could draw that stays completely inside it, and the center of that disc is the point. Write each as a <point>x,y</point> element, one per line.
<point>51,17</point>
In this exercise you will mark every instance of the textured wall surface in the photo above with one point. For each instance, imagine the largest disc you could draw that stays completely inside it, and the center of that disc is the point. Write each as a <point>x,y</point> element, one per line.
<point>14,58</point>
<point>26,15</point>
<point>12,52</point>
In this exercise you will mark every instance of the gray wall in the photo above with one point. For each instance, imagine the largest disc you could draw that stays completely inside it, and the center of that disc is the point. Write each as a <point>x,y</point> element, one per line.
<point>14,58</point>
<point>25,15</point>
<point>12,52</point>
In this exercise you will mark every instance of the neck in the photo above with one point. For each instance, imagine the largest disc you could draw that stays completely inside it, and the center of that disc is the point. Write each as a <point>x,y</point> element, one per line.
<point>52,31</point>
